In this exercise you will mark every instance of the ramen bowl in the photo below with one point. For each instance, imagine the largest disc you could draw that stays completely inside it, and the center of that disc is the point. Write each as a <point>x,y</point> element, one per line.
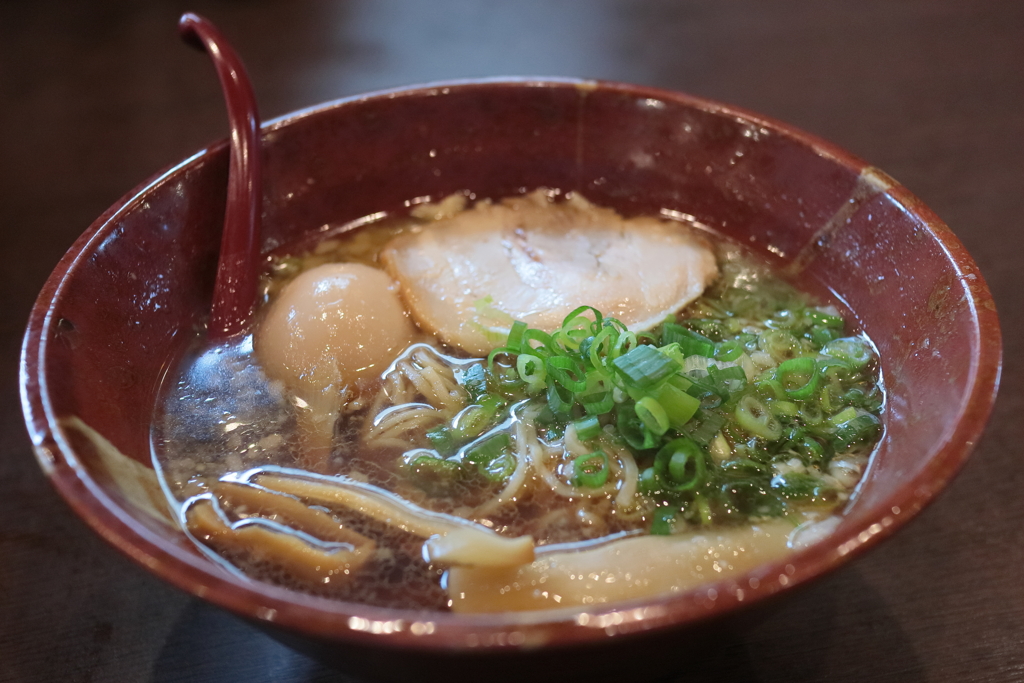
<point>135,288</point>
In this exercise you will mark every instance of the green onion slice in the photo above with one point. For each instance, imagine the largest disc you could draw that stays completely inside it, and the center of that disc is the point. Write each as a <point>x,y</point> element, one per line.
<point>442,439</point>
<point>663,521</point>
<point>578,313</point>
<point>487,449</point>
<point>799,377</point>
<point>704,426</point>
<point>648,482</point>
<point>861,428</point>
<point>678,405</point>
<point>632,429</point>
<point>546,345</point>
<point>590,470</point>
<point>560,399</point>
<point>587,428</point>
<point>625,343</point>
<point>475,418</point>
<point>426,464</point>
<point>644,367</point>
<point>680,465</point>
<point>728,351</point>
<point>825,319</point>
<point>601,346</point>
<point>515,336</point>
<point>531,369</point>
<point>691,343</point>
<point>842,416</point>
<point>753,416</point>
<point>784,408</point>
<point>474,379</point>
<point>498,469</point>
<point>778,344</point>
<point>567,372</point>
<point>597,403</point>
<point>652,415</point>
<point>851,350</point>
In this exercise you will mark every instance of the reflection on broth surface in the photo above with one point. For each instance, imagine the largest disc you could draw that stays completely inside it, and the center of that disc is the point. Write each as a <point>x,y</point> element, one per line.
<point>523,445</point>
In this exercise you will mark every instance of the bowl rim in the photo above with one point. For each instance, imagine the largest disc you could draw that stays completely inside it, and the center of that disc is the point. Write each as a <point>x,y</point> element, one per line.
<point>361,624</point>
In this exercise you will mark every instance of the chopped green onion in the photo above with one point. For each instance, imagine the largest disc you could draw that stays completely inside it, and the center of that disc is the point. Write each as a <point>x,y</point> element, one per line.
<point>709,327</point>
<point>678,405</point>
<point>825,319</point>
<point>810,414</point>
<point>842,416</point>
<point>691,343</point>
<point>587,428</point>
<point>811,449</point>
<point>426,464</point>
<point>567,372</point>
<point>778,344</point>
<point>744,468</point>
<point>531,369</point>
<point>498,469</point>
<point>749,497</point>
<point>442,439</point>
<point>578,314</point>
<point>861,428</point>
<point>652,415</point>
<point>756,419</point>
<point>546,346</point>
<point>799,377</point>
<point>705,437</point>
<point>597,403</point>
<point>590,470</point>
<point>728,351</point>
<point>647,482</point>
<point>704,426</point>
<point>800,486</point>
<point>515,336</point>
<point>784,408</point>
<point>785,319</point>
<point>625,343</point>
<point>770,388</point>
<point>822,335</point>
<point>602,345</point>
<point>487,449</point>
<point>705,390</point>
<point>727,380</point>
<point>680,465</point>
<point>663,521</point>
<point>433,475</point>
<point>475,418</point>
<point>474,379</point>
<point>644,367</point>
<point>853,351</point>
<point>560,399</point>
<point>572,339</point>
<point>632,429</point>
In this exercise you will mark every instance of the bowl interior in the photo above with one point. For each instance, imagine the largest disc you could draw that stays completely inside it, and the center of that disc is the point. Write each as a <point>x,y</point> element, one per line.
<point>136,286</point>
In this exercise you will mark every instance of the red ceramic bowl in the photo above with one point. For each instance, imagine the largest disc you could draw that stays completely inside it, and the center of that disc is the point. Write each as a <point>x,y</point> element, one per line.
<point>130,292</point>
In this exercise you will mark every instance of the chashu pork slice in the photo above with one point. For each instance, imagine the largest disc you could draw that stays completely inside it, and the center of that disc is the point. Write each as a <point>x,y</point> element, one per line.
<point>538,260</point>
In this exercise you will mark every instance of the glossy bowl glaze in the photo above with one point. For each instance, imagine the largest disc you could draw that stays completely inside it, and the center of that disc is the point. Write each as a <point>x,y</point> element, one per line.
<point>136,286</point>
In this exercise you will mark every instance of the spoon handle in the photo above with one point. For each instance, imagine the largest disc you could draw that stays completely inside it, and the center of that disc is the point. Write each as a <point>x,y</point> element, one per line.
<point>234,293</point>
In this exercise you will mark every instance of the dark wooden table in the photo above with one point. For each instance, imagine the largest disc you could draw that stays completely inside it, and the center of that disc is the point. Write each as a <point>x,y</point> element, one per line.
<point>95,97</point>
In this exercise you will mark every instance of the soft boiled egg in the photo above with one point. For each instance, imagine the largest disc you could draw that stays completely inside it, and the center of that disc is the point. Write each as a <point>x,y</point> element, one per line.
<point>329,327</point>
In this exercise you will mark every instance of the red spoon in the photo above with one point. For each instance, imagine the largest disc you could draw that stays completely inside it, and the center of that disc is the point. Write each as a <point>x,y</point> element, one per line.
<point>234,293</point>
